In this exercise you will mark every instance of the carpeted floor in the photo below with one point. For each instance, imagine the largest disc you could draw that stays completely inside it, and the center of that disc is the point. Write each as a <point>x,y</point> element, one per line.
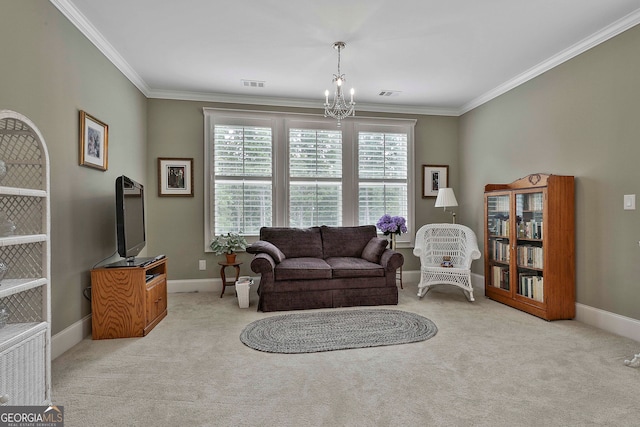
<point>489,365</point>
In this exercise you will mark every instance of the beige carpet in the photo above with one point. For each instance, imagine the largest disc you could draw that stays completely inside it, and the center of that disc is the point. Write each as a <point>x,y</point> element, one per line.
<point>489,365</point>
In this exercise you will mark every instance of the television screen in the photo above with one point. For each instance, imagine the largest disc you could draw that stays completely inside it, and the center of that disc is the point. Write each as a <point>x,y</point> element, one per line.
<point>129,217</point>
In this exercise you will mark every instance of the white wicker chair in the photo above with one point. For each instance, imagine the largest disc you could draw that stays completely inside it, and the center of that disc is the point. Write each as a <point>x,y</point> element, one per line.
<point>433,242</point>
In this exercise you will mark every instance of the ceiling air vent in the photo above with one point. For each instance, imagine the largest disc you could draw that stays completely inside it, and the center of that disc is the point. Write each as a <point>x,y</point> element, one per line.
<point>389,93</point>
<point>252,83</point>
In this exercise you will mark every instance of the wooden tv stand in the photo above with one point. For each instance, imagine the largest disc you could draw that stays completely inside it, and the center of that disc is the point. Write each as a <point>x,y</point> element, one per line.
<point>124,303</point>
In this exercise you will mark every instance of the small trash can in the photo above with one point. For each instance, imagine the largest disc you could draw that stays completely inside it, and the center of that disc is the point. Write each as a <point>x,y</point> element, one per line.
<point>242,290</point>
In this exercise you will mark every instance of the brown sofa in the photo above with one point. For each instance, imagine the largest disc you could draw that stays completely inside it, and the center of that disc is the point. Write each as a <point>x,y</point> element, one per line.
<point>323,267</point>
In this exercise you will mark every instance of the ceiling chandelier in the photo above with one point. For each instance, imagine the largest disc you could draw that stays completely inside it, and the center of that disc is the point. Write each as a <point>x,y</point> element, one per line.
<point>339,108</point>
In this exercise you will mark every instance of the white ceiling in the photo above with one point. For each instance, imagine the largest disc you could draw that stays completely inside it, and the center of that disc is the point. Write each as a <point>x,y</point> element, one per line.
<point>444,56</point>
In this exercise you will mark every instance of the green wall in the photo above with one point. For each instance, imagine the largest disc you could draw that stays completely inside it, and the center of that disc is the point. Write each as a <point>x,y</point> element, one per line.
<point>48,72</point>
<point>580,118</point>
<point>176,129</point>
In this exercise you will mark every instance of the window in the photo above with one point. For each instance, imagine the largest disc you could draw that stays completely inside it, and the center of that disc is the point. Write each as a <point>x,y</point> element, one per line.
<point>382,175</point>
<point>315,177</point>
<point>298,170</point>
<point>242,185</point>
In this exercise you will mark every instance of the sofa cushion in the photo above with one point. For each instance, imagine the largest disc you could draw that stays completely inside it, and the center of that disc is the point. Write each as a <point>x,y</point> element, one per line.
<point>354,267</point>
<point>294,242</point>
<point>374,249</point>
<point>268,248</point>
<point>302,268</point>
<point>346,241</point>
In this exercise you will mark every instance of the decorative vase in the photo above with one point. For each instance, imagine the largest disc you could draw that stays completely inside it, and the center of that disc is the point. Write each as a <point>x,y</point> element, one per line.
<point>231,258</point>
<point>393,241</point>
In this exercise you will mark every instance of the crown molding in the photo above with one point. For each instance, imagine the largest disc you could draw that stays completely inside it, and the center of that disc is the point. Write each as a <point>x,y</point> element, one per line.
<point>610,31</point>
<point>295,102</point>
<point>82,23</point>
<point>86,28</point>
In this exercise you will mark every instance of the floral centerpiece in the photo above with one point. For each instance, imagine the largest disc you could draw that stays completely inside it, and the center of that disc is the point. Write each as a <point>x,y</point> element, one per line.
<point>393,226</point>
<point>228,244</point>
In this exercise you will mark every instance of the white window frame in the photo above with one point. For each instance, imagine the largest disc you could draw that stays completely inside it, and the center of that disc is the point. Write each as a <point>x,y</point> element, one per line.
<point>280,123</point>
<point>391,126</point>
<point>307,123</point>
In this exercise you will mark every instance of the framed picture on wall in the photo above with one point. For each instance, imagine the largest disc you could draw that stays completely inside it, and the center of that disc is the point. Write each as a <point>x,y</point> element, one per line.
<point>94,142</point>
<point>434,177</point>
<point>175,177</point>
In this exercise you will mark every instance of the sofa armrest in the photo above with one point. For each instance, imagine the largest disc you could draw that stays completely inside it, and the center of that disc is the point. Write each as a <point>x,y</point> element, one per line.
<point>391,260</point>
<point>268,248</point>
<point>262,263</point>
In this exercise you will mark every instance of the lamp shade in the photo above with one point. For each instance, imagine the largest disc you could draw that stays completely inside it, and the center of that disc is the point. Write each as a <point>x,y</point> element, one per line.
<point>446,198</point>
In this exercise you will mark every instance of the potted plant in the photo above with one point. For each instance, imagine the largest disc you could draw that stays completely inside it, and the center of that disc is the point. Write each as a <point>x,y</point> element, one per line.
<point>228,244</point>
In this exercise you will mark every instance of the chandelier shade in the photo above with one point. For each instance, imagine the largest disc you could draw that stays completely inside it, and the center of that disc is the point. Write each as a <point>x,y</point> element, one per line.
<point>339,108</point>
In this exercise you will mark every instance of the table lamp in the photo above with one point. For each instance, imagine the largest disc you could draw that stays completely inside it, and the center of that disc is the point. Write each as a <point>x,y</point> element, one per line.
<point>446,198</point>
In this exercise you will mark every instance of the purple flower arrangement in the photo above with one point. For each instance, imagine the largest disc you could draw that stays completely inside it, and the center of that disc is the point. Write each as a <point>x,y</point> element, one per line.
<point>392,224</point>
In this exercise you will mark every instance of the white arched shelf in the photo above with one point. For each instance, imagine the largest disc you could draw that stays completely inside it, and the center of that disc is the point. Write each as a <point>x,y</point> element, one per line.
<point>25,263</point>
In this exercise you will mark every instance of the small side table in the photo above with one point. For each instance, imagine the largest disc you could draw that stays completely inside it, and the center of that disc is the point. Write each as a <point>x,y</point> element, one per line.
<point>223,276</point>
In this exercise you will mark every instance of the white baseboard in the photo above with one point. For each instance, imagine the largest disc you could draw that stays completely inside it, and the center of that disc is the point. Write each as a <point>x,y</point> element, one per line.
<point>67,338</point>
<point>194,285</point>
<point>610,322</point>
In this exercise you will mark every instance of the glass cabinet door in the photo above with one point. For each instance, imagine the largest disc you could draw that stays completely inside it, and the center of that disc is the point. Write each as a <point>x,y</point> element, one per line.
<point>529,250</point>
<point>498,232</point>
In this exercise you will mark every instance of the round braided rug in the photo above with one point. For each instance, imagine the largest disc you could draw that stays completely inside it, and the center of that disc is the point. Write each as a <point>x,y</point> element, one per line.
<point>336,330</point>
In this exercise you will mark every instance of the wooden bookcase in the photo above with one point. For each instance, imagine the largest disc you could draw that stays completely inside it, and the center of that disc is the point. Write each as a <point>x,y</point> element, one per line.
<point>124,303</point>
<point>529,245</point>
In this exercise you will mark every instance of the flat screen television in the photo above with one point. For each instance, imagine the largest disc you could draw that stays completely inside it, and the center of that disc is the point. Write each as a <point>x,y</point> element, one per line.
<point>130,224</point>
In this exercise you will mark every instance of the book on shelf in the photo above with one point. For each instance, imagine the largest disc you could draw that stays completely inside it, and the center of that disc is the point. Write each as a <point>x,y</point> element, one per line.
<point>531,286</point>
<point>500,277</point>
<point>530,229</point>
<point>499,250</point>
<point>501,227</point>
<point>530,256</point>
